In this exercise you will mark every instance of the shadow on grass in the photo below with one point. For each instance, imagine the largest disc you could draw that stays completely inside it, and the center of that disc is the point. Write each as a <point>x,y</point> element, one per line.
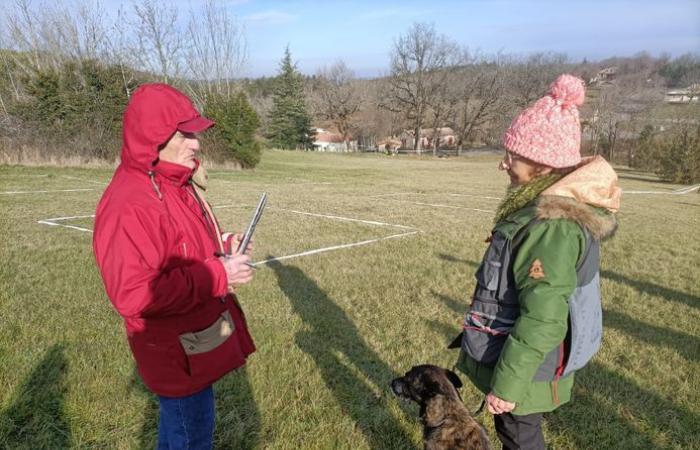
<point>330,332</point>
<point>454,305</point>
<point>454,259</point>
<point>610,410</point>
<point>653,289</point>
<point>685,344</point>
<point>237,416</point>
<point>36,418</point>
<point>641,286</point>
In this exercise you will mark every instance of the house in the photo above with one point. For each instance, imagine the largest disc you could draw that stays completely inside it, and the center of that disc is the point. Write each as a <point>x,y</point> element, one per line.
<point>445,138</point>
<point>604,76</point>
<point>687,95</point>
<point>329,141</point>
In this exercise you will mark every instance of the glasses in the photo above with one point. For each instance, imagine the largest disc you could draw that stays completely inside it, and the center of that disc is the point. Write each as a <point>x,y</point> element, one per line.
<point>508,158</point>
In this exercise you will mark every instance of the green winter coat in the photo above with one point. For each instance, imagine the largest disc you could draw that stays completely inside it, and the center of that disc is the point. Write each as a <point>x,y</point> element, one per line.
<point>557,242</point>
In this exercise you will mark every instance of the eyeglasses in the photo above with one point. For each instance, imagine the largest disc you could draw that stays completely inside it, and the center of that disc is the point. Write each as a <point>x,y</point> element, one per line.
<point>508,158</point>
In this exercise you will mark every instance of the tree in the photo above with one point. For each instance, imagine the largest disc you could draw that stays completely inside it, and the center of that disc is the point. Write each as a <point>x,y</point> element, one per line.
<point>216,52</point>
<point>290,123</point>
<point>337,98</point>
<point>479,88</point>
<point>236,125</point>
<point>419,63</point>
<point>159,45</point>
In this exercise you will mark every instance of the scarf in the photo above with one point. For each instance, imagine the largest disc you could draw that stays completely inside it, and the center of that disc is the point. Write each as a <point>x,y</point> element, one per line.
<point>519,196</point>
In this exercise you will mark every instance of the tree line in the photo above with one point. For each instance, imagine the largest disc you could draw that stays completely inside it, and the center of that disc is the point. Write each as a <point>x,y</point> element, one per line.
<point>66,75</point>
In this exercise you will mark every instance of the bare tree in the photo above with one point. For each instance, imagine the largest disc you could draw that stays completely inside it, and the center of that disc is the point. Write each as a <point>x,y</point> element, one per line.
<point>531,77</point>
<point>217,51</point>
<point>479,88</point>
<point>158,39</point>
<point>419,63</point>
<point>337,98</point>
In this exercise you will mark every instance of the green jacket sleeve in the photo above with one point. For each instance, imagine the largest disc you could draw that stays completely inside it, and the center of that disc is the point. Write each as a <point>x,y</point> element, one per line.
<point>545,277</point>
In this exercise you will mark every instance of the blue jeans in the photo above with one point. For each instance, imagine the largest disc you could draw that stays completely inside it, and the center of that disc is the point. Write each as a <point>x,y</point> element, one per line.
<point>187,423</point>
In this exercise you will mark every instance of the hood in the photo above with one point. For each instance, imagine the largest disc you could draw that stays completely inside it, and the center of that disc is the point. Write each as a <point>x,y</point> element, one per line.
<point>589,195</point>
<point>150,119</point>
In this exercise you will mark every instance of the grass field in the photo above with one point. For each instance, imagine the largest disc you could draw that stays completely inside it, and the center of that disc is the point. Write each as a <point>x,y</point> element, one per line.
<point>334,327</point>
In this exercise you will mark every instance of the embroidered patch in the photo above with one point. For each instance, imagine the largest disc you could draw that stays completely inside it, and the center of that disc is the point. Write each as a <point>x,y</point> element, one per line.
<point>536,270</point>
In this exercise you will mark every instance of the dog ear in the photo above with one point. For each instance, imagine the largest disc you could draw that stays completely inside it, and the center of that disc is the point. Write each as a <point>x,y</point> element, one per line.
<point>434,411</point>
<point>454,379</point>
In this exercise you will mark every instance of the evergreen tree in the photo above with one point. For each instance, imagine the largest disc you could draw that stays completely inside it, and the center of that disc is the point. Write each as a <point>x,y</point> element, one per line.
<point>236,124</point>
<point>290,123</point>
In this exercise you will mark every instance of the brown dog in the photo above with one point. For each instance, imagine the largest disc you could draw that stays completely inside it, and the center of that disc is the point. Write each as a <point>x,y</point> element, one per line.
<point>447,425</point>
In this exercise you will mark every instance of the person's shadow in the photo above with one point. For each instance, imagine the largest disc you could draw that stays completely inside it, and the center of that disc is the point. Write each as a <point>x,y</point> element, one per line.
<point>330,332</point>
<point>36,418</point>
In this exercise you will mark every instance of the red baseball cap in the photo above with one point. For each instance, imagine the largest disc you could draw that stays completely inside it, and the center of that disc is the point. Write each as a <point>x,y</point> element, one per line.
<point>195,125</point>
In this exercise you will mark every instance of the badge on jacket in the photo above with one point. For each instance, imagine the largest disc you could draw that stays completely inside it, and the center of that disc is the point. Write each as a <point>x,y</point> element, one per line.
<point>536,271</point>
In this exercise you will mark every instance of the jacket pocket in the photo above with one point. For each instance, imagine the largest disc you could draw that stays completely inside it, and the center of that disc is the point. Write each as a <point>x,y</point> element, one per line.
<point>486,328</point>
<point>213,351</point>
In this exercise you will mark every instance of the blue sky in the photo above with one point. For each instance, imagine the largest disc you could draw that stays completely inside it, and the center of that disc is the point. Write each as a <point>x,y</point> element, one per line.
<point>361,32</point>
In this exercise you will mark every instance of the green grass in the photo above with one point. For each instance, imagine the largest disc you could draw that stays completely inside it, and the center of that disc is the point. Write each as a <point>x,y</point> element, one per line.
<point>333,328</point>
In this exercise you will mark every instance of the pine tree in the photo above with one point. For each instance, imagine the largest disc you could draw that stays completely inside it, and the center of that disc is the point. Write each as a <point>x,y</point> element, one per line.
<point>290,122</point>
<point>236,124</point>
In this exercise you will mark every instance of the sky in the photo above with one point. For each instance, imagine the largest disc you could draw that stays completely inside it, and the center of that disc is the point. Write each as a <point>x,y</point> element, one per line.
<point>362,32</point>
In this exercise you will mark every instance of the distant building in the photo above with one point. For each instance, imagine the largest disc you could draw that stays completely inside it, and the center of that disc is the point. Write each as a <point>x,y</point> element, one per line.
<point>329,141</point>
<point>687,95</point>
<point>604,76</point>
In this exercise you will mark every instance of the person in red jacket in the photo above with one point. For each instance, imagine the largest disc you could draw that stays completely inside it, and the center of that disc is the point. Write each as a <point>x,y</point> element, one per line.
<point>160,254</point>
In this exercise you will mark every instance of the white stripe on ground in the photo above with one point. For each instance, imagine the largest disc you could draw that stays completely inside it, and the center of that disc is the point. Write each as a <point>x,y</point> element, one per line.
<point>44,192</point>
<point>54,224</point>
<point>326,216</point>
<point>680,191</point>
<point>346,219</point>
<point>54,219</point>
<point>475,196</point>
<point>335,247</point>
<point>446,206</point>
<point>83,179</point>
<point>396,193</point>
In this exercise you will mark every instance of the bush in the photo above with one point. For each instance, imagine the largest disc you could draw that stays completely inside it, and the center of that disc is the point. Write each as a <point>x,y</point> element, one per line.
<point>233,137</point>
<point>679,158</point>
<point>673,155</point>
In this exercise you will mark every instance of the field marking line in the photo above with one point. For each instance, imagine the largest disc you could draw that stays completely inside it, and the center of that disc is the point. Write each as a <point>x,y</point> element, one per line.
<point>83,179</point>
<point>335,247</point>
<point>326,216</point>
<point>44,192</point>
<point>413,230</point>
<point>396,193</point>
<point>680,191</point>
<point>346,219</point>
<point>446,206</point>
<point>475,196</point>
<point>54,224</point>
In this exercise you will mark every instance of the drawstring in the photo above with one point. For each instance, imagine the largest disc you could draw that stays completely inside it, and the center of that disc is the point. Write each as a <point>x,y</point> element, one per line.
<point>152,176</point>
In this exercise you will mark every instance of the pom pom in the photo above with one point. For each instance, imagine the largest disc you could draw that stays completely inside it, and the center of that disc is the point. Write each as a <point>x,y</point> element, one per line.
<point>568,90</point>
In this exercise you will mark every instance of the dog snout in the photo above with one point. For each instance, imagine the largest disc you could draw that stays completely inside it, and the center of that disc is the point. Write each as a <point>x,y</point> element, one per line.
<point>397,387</point>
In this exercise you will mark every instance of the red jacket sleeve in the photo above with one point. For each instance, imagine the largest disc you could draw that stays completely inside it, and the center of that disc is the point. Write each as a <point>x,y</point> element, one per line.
<point>142,278</point>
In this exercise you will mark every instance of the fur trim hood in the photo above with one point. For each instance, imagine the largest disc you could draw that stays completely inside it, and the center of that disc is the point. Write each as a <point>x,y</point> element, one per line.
<point>589,195</point>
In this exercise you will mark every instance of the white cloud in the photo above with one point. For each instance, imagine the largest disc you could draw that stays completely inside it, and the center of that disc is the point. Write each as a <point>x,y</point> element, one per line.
<point>270,17</point>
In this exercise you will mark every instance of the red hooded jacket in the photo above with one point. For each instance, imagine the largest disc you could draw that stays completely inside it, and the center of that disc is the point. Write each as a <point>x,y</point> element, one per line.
<point>155,246</point>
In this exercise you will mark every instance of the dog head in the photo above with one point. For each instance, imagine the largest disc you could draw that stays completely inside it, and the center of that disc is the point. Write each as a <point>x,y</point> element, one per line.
<point>422,383</point>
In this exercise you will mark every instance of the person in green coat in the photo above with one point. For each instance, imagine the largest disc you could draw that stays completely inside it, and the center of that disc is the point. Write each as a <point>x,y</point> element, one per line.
<point>536,315</point>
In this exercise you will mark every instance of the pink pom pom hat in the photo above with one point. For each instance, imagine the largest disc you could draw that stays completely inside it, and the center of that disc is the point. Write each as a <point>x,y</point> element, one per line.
<point>549,131</point>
